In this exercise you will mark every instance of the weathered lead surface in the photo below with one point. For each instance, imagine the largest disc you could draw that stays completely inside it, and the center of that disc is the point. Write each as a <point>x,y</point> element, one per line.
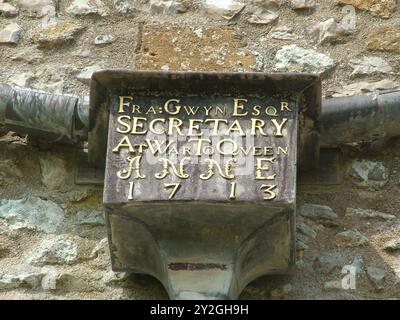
<point>203,219</point>
<point>245,151</point>
<point>56,117</point>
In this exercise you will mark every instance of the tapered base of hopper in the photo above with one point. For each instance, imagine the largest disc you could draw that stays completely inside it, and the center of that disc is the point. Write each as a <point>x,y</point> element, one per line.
<point>203,250</point>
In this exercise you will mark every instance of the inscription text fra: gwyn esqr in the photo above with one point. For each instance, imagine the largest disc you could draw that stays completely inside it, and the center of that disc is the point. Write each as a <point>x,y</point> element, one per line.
<point>208,130</point>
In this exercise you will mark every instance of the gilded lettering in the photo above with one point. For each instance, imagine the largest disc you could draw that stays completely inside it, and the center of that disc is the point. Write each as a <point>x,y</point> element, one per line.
<point>238,107</point>
<point>123,103</point>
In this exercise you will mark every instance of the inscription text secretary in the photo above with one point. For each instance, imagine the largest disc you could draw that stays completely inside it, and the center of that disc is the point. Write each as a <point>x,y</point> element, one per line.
<point>132,124</point>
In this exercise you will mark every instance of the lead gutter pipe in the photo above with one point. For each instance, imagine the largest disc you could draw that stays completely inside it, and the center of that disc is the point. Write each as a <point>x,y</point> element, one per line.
<point>65,118</point>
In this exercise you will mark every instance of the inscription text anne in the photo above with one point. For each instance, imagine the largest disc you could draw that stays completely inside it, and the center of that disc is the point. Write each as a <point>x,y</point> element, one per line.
<point>201,124</point>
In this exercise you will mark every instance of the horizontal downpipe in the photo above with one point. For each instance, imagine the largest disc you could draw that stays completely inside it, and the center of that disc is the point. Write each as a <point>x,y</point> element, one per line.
<point>64,117</point>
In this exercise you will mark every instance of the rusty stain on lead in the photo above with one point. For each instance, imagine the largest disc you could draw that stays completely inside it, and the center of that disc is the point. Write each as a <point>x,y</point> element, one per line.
<point>176,266</point>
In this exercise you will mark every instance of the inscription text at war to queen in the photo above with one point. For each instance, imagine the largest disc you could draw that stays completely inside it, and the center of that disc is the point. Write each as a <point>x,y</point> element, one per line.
<point>215,147</point>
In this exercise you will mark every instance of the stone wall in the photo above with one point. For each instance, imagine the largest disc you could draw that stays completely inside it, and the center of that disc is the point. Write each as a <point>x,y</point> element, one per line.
<point>52,234</point>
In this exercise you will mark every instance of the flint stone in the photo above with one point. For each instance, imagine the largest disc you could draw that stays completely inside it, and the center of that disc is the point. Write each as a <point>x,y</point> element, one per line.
<point>11,34</point>
<point>348,24</point>
<point>32,213</point>
<point>325,31</point>
<point>55,251</point>
<point>100,249</point>
<point>57,35</point>
<point>123,6</point>
<point>306,229</point>
<point>346,27</point>
<point>24,279</point>
<point>83,53</point>
<point>8,10</point>
<point>351,238</point>
<point>84,75</point>
<point>364,87</point>
<point>49,280</point>
<point>37,8</point>
<point>301,245</point>
<point>11,138</point>
<point>377,277</point>
<point>101,254</point>
<point>55,280</point>
<point>52,170</point>
<point>326,262</point>
<point>103,39</point>
<point>263,17</point>
<point>94,218</point>
<point>368,214</point>
<point>369,66</point>
<point>303,4</point>
<point>283,28</point>
<point>198,32</point>
<point>317,212</point>
<point>264,12</point>
<point>296,59</point>
<point>227,9</point>
<point>8,282</point>
<point>88,7</point>
<point>301,242</point>
<point>32,280</point>
<point>358,263</point>
<point>259,63</point>
<point>23,79</point>
<point>368,174</point>
<point>166,7</point>
<point>114,278</point>
<point>283,33</point>
<point>78,195</point>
